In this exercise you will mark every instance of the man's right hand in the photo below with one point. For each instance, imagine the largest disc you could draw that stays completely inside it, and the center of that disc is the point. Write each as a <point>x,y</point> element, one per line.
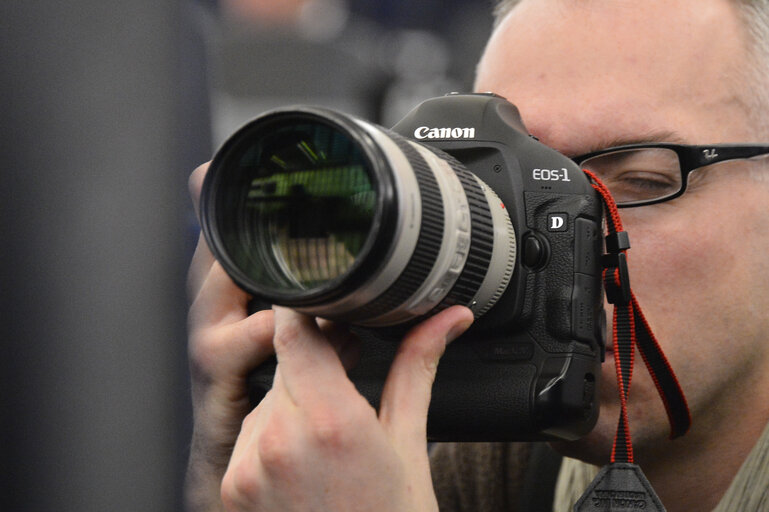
<point>314,442</point>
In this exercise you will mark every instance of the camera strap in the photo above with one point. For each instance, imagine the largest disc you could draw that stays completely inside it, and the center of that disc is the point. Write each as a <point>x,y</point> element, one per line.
<point>621,485</point>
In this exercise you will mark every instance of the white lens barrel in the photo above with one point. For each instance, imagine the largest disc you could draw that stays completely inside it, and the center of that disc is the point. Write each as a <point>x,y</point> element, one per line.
<point>406,233</point>
<point>454,247</point>
<point>453,242</point>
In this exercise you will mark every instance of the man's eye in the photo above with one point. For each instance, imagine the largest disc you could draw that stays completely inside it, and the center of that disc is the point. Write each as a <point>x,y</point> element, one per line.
<point>647,180</point>
<point>641,185</point>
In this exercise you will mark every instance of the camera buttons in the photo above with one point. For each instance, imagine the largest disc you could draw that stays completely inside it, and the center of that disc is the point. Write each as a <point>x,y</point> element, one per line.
<point>587,240</point>
<point>535,251</point>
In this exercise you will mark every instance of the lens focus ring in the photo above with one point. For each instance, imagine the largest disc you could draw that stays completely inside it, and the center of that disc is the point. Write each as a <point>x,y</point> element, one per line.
<point>481,243</point>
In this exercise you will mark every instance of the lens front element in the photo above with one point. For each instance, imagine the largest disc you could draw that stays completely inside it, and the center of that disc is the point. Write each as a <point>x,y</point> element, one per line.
<point>296,205</point>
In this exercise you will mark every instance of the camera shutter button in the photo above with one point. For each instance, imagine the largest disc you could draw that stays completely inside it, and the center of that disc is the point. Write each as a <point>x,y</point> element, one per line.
<point>534,251</point>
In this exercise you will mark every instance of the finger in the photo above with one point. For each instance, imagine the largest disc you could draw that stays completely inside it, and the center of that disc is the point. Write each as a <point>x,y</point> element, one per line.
<point>218,301</point>
<point>407,390</point>
<point>200,266</point>
<point>227,354</point>
<point>202,260</point>
<point>242,483</point>
<point>266,457</point>
<point>310,368</point>
<point>250,341</point>
<point>195,186</point>
<point>226,343</point>
<point>346,343</point>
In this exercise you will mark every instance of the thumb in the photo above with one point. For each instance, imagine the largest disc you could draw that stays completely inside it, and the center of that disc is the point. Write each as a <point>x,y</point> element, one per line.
<point>407,390</point>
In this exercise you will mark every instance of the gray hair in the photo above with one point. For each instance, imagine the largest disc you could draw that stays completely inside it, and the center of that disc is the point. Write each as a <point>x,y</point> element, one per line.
<point>501,9</point>
<point>755,17</point>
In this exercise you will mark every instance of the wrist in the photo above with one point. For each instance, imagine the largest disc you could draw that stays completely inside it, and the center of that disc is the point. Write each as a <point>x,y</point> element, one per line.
<point>205,470</point>
<point>202,488</point>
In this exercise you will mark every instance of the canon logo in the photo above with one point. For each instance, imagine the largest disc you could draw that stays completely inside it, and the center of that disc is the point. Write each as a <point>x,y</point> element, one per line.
<point>425,132</point>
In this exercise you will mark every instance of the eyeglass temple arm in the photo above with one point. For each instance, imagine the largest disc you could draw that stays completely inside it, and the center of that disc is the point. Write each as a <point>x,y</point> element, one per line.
<point>700,156</point>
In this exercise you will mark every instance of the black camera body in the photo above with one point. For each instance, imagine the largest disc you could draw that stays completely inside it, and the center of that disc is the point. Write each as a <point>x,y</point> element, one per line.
<point>529,367</point>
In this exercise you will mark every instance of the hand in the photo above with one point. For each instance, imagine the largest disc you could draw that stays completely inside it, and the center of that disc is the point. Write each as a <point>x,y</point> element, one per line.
<point>225,344</point>
<point>314,443</point>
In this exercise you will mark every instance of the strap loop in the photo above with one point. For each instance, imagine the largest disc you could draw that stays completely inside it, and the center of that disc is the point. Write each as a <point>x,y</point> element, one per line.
<point>616,278</point>
<point>617,242</point>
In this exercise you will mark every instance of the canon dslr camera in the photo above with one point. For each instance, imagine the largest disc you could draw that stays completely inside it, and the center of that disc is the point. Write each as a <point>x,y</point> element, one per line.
<point>457,204</point>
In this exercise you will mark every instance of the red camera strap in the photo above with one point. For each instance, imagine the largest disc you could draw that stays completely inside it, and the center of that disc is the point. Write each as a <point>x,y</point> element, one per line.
<point>621,485</point>
<point>631,330</point>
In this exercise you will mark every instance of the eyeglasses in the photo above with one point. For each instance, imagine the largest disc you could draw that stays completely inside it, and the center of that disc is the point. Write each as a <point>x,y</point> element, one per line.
<point>642,174</point>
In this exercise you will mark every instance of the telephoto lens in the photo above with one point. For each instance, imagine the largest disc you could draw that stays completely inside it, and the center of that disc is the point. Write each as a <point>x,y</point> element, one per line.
<point>342,219</point>
<point>339,218</point>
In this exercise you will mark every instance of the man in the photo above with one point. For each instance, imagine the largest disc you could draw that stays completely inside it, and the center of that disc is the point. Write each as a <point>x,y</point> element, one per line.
<point>586,75</point>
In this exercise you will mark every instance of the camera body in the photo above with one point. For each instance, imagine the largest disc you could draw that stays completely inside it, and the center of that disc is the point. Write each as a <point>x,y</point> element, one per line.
<point>529,367</point>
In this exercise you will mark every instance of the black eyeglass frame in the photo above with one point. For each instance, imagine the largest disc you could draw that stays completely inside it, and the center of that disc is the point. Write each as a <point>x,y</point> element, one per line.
<point>690,158</point>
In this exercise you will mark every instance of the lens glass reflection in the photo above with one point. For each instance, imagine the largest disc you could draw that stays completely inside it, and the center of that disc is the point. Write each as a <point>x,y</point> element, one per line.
<point>300,205</point>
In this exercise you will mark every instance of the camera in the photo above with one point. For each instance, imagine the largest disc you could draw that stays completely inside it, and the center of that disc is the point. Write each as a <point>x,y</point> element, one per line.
<point>337,217</point>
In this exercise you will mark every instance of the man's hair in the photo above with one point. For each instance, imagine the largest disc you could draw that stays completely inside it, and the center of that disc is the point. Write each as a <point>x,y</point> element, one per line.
<point>754,14</point>
<point>501,9</point>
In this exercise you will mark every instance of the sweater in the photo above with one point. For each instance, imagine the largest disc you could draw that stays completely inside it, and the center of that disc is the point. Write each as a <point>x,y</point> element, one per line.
<point>503,477</point>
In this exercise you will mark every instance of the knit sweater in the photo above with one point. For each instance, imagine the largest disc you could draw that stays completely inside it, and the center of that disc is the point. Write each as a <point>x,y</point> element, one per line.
<point>494,477</point>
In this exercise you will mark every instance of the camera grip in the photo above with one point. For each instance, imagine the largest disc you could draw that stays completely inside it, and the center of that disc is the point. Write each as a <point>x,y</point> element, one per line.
<point>484,391</point>
<point>483,405</point>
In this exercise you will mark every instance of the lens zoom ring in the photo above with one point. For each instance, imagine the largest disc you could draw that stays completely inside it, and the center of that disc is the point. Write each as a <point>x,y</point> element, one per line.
<point>428,244</point>
<point>481,243</point>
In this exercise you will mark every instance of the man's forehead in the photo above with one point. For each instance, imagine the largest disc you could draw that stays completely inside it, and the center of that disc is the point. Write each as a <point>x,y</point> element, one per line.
<point>592,60</point>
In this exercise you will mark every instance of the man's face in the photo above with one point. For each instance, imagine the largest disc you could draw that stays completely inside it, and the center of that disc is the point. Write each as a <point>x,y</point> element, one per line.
<point>588,75</point>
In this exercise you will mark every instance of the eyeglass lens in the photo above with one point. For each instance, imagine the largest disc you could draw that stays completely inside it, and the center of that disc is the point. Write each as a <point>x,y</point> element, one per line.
<point>638,175</point>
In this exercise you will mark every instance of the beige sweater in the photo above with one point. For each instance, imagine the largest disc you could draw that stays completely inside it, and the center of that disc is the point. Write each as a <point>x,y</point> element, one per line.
<point>488,477</point>
<point>478,477</point>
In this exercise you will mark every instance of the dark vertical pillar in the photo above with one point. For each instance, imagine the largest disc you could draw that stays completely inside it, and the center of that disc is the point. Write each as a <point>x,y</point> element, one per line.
<point>92,229</point>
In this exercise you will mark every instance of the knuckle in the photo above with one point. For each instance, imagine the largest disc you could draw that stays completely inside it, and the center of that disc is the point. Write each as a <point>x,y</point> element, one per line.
<point>287,335</point>
<point>330,434</point>
<point>277,452</point>
<point>199,314</point>
<point>203,353</point>
<point>424,357</point>
<point>428,366</point>
<point>240,486</point>
<point>251,421</point>
<point>260,326</point>
<point>201,356</point>
<point>334,429</point>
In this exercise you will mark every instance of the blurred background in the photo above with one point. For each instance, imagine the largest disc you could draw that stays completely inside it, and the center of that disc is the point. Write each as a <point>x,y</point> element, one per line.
<point>106,106</point>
